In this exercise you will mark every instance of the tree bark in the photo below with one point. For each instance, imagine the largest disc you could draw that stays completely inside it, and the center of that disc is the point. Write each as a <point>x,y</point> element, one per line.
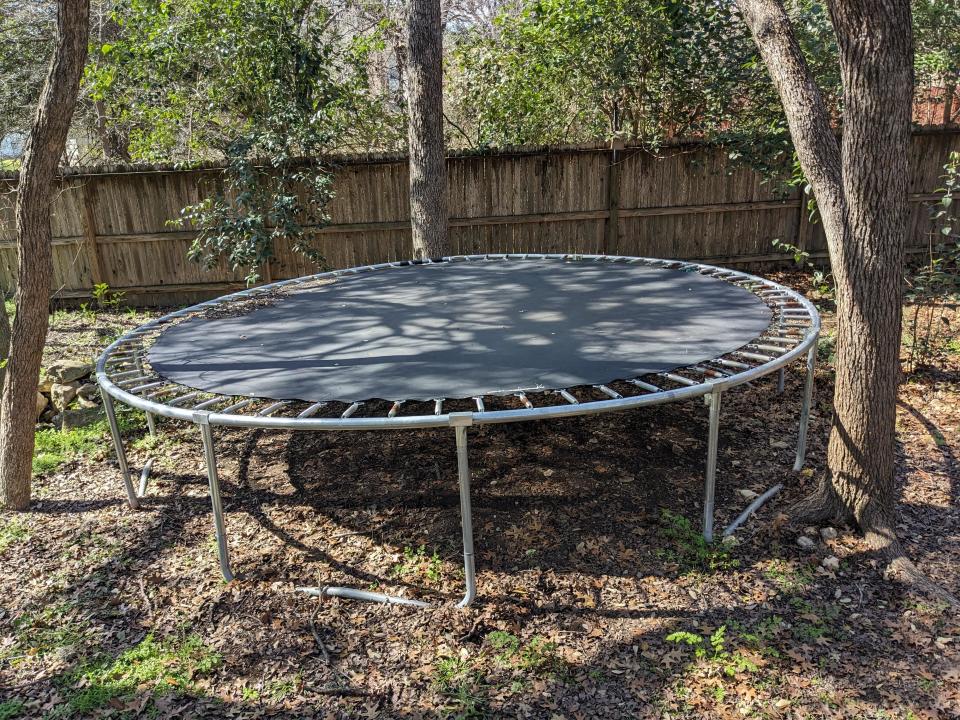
<point>424,92</point>
<point>861,191</point>
<point>42,153</point>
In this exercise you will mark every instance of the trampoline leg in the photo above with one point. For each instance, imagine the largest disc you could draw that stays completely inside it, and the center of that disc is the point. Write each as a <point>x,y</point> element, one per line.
<point>781,378</point>
<point>466,517</point>
<point>111,413</point>
<point>805,409</point>
<point>223,551</point>
<point>713,436</point>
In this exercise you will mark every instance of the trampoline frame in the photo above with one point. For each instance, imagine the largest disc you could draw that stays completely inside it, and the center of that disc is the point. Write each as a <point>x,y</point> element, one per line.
<point>122,376</point>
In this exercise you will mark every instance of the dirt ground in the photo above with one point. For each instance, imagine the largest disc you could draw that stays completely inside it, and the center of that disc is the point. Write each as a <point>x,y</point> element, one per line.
<point>596,597</point>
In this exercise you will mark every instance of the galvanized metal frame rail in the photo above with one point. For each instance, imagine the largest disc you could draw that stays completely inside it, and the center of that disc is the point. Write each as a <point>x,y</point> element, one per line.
<point>124,375</point>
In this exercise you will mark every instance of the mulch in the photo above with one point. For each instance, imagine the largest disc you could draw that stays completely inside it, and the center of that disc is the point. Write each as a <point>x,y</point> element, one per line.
<point>581,557</point>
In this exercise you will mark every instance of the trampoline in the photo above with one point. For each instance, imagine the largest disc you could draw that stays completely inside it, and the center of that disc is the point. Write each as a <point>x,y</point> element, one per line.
<point>454,343</point>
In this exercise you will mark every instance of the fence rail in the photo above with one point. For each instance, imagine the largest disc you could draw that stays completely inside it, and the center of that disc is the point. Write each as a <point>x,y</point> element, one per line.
<point>691,201</point>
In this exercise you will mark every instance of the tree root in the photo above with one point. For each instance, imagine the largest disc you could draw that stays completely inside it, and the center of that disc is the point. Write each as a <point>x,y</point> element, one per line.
<point>901,569</point>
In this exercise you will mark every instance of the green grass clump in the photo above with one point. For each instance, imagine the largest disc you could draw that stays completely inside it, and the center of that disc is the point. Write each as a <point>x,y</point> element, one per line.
<point>688,548</point>
<point>10,709</point>
<point>159,666</point>
<point>55,447</point>
<point>11,532</point>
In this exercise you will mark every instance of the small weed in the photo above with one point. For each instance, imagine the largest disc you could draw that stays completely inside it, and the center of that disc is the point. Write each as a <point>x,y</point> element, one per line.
<point>105,297</point>
<point>160,666</point>
<point>11,532</point>
<point>277,690</point>
<point>87,314</point>
<point>250,694</point>
<point>507,645</point>
<point>416,561</point>
<point>690,551</point>
<point>539,655</point>
<point>714,651</point>
<point>462,685</point>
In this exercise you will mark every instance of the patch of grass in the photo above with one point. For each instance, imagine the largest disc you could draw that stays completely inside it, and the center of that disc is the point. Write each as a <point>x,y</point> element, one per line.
<point>506,644</point>
<point>277,690</point>
<point>537,656</point>
<point>416,561</point>
<point>159,666</point>
<point>11,532</point>
<point>10,709</point>
<point>788,576</point>
<point>54,629</point>
<point>690,551</point>
<point>463,686</point>
<point>54,447</point>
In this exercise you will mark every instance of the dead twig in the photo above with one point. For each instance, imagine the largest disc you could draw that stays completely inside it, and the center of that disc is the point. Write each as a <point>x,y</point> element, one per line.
<point>316,634</point>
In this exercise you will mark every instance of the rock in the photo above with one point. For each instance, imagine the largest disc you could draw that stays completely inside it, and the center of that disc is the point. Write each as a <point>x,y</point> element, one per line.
<point>779,444</point>
<point>806,543</point>
<point>747,493</point>
<point>676,450</point>
<point>828,533</point>
<point>63,394</point>
<point>730,541</point>
<point>831,563</point>
<point>65,371</point>
<point>41,404</point>
<point>86,403</point>
<point>70,419</point>
<point>88,391</point>
<point>45,383</point>
<point>810,530</point>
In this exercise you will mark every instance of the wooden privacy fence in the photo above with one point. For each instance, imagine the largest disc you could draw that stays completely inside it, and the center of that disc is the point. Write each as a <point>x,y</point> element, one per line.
<point>691,201</point>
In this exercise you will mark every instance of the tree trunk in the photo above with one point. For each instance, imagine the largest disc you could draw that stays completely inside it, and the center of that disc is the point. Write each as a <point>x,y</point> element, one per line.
<point>44,148</point>
<point>4,338</point>
<point>424,90</point>
<point>861,191</point>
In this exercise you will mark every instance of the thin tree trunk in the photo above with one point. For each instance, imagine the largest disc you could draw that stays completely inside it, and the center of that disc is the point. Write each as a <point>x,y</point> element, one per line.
<point>861,191</point>
<point>4,338</point>
<point>43,151</point>
<point>424,90</point>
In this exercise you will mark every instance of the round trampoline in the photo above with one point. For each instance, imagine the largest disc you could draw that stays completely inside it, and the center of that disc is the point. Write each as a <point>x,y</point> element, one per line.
<point>456,342</point>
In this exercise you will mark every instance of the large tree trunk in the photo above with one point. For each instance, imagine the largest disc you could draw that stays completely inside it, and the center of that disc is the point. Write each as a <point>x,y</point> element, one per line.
<point>861,191</point>
<point>424,90</point>
<point>42,153</point>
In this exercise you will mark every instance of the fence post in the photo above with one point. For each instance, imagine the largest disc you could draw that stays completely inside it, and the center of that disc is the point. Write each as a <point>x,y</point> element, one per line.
<point>611,240</point>
<point>88,221</point>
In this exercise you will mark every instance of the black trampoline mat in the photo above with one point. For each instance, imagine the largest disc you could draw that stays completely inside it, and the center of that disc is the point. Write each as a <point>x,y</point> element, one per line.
<point>463,329</point>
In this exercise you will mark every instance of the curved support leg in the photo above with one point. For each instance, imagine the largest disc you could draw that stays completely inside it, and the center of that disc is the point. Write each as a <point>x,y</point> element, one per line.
<point>466,517</point>
<point>713,437</point>
<point>111,413</point>
<point>781,380</point>
<point>805,409</point>
<point>206,433</point>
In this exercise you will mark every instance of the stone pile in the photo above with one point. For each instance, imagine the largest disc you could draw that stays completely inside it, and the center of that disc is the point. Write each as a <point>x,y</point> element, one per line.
<point>68,395</point>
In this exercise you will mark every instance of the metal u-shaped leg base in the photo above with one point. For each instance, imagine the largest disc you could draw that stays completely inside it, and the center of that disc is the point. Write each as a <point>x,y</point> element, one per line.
<point>206,432</point>
<point>111,413</point>
<point>805,408</point>
<point>713,438</point>
<point>460,425</point>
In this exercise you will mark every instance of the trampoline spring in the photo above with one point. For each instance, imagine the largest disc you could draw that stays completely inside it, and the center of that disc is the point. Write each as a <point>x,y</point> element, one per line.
<point>237,406</point>
<point>770,348</point>
<point>182,398</point>
<point>479,402</point>
<point>146,386</point>
<point>125,374</point>
<point>732,364</point>
<point>438,407</point>
<point>312,410</point>
<point>208,403</point>
<point>351,410</point>
<point>780,339</point>
<point>170,387</point>
<point>753,356</point>
<point>710,372</point>
<point>525,400</point>
<point>644,386</point>
<point>608,391</point>
<point>271,409</point>
<point>680,379</point>
<point>134,380</point>
<point>568,396</point>
<point>395,408</point>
